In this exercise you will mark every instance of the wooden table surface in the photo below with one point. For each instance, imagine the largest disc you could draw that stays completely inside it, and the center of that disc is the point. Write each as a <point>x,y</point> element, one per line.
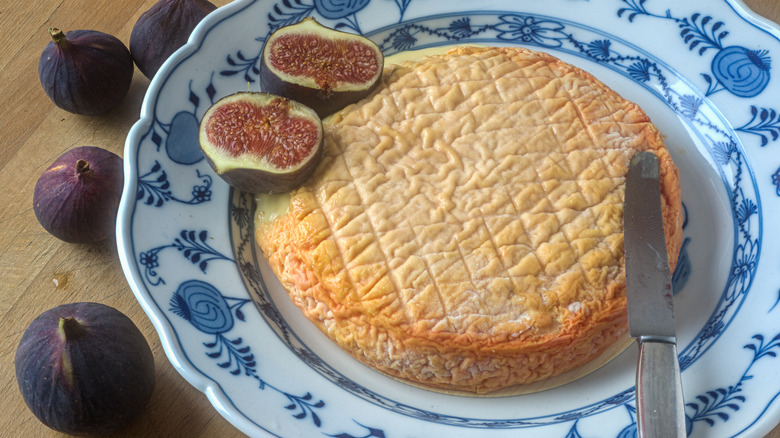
<point>37,271</point>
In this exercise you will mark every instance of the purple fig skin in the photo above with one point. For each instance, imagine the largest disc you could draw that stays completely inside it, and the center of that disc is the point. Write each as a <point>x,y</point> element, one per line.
<point>323,103</point>
<point>163,29</point>
<point>77,198</point>
<point>85,72</point>
<point>85,369</point>
<point>261,181</point>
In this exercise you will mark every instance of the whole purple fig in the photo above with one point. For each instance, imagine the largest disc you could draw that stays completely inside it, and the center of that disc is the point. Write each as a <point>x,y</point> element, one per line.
<point>85,71</point>
<point>77,198</point>
<point>164,28</point>
<point>84,369</point>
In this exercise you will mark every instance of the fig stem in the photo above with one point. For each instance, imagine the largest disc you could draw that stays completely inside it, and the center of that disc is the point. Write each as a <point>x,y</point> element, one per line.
<point>56,34</point>
<point>82,167</point>
<point>70,328</point>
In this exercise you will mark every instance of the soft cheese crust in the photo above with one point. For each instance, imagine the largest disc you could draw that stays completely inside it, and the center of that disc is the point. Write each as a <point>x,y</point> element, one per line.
<point>464,230</point>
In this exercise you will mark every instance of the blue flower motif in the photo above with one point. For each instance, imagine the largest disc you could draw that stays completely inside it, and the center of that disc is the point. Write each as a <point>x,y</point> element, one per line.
<point>461,27</point>
<point>745,73</point>
<point>640,70</point>
<point>746,260</point>
<point>530,30</point>
<point>149,259</point>
<point>335,9</point>
<point>404,40</point>
<point>722,151</point>
<point>713,329</point>
<point>203,306</point>
<point>743,268</point>
<point>746,209</point>
<point>599,49</point>
<point>201,194</point>
<point>690,106</point>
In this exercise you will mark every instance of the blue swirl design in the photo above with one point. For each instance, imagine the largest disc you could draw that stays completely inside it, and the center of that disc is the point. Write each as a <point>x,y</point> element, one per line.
<point>335,9</point>
<point>743,72</point>
<point>203,306</point>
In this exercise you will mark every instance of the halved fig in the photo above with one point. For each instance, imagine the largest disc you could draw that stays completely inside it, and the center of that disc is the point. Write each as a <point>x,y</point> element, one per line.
<point>320,67</point>
<point>261,143</point>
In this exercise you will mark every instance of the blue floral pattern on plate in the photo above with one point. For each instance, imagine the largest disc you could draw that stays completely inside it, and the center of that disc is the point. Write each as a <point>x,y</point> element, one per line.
<point>186,239</point>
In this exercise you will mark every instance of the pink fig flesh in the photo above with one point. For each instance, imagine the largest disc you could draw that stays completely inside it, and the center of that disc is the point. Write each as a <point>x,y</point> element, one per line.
<point>259,142</point>
<point>320,67</point>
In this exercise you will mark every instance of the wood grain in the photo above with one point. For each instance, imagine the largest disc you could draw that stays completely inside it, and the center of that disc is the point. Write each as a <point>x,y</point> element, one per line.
<point>39,272</point>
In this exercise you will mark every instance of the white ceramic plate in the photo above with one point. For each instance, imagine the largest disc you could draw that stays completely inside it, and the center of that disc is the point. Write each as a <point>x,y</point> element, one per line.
<point>701,70</point>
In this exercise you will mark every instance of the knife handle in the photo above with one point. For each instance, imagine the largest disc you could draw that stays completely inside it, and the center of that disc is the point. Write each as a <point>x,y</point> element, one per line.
<point>659,398</point>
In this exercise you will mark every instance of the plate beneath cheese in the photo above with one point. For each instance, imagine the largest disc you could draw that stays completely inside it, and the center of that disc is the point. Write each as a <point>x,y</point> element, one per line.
<point>271,374</point>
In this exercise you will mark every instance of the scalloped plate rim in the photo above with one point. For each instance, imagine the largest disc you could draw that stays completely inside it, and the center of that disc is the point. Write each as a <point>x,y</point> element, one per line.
<point>168,335</point>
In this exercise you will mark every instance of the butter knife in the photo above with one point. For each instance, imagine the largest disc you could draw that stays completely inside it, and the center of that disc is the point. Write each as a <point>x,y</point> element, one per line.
<point>659,397</point>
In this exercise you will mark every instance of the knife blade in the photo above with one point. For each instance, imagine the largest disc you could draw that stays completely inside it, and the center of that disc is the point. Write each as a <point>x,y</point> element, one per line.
<point>659,397</point>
